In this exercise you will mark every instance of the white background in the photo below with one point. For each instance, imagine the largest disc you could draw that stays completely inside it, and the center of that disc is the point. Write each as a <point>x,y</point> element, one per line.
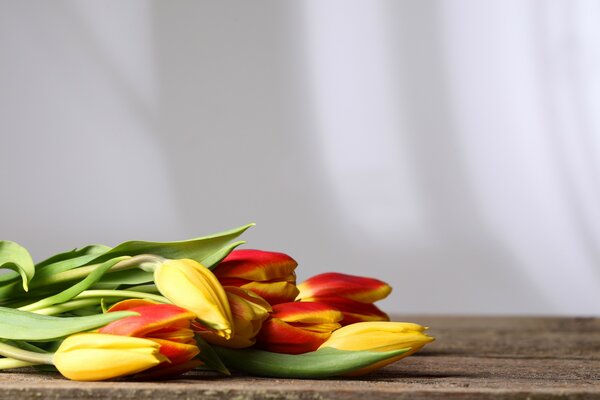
<point>450,148</point>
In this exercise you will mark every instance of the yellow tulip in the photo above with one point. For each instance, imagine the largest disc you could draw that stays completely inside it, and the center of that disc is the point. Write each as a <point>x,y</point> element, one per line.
<point>98,356</point>
<point>194,287</point>
<point>379,337</point>
<point>249,312</point>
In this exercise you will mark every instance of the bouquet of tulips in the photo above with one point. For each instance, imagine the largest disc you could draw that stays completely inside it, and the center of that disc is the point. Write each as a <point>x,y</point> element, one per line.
<point>154,310</point>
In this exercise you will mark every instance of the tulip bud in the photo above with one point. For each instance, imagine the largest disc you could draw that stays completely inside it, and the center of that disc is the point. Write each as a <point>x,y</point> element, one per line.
<point>379,337</point>
<point>352,287</point>
<point>298,327</point>
<point>96,356</point>
<point>166,324</point>
<point>190,285</point>
<point>352,295</point>
<point>249,311</point>
<point>268,274</point>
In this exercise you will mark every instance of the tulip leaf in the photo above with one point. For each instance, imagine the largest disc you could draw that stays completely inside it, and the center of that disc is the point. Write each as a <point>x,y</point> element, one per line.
<point>74,290</point>
<point>206,250</point>
<point>128,277</point>
<point>90,250</point>
<point>68,260</point>
<point>209,356</point>
<point>323,363</point>
<point>212,261</point>
<point>24,325</point>
<point>16,257</point>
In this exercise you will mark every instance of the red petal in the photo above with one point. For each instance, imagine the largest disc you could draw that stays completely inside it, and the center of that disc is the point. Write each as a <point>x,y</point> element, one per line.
<point>280,337</point>
<point>354,311</point>
<point>130,303</point>
<point>152,318</point>
<point>176,352</point>
<point>255,265</point>
<point>333,284</point>
<point>306,312</point>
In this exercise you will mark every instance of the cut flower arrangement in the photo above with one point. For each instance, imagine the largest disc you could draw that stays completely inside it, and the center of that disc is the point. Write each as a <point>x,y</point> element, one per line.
<point>153,310</point>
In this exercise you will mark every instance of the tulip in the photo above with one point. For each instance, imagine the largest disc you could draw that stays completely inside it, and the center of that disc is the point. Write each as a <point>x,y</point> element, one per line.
<point>379,337</point>
<point>97,356</point>
<point>352,295</point>
<point>249,311</point>
<point>298,327</point>
<point>269,274</point>
<point>194,287</point>
<point>165,324</point>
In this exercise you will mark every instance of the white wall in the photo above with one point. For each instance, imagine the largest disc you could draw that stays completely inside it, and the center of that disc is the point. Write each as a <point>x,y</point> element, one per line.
<point>452,149</point>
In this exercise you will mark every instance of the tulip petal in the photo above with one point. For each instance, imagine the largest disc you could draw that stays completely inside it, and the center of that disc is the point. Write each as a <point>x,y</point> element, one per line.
<point>129,304</point>
<point>152,318</point>
<point>249,311</point>
<point>184,335</point>
<point>194,287</point>
<point>177,352</point>
<point>333,284</point>
<point>273,292</point>
<point>355,311</point>
<point>255,265</point>
<point>306,312</point>
<point>280,337</point>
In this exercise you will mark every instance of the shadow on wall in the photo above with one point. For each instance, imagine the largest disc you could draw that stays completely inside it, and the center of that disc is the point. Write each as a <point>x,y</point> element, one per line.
<point>236,126</point>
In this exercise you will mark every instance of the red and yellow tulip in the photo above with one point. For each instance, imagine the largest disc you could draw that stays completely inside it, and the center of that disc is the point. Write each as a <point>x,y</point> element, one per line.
<point>194,287</point>
<point>298,327</point>
<point>379,337</point>
<point>352,295</point>
<point>165,324</point>
<point>269,274</point>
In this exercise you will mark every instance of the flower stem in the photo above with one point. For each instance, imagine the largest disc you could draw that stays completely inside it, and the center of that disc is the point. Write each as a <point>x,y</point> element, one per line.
<point>25,355</point>
<point>8,363</point>
<point>89,294</point>
<point>67,306</point>
<point>142,261</point>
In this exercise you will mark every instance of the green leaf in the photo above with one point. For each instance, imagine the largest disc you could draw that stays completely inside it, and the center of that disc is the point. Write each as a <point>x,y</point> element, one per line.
<point>68,260</point>
<point>209,356</point>
<point>212,261</point>
<point>323,363</point>
<point>206,250</point>
<point>128,277</point>
<point>16,257</point>
<point>91,250</point>
<point>24,325</point>
<point>74,290</point>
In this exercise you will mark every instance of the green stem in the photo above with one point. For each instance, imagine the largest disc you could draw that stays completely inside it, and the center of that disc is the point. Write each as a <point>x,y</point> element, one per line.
<point>144,288</point>
<point>89,294</point>
<point>25,355</point>
<point>8,363</point>
<point>141,261</point>
<point>67,306</point>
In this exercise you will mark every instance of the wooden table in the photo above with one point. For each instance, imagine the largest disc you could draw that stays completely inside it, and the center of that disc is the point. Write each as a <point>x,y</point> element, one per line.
<point>473,358</point>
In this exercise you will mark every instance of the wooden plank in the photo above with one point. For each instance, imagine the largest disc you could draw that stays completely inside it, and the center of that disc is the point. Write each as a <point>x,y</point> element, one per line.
<point>473,358</point>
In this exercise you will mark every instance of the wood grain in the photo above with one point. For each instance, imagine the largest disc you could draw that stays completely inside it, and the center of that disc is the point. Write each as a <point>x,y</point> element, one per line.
<point>473,358</point>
